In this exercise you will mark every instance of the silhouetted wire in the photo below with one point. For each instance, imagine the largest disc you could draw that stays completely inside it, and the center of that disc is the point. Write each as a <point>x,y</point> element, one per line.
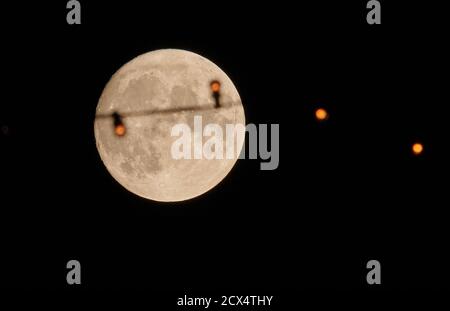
<point>165,111</point>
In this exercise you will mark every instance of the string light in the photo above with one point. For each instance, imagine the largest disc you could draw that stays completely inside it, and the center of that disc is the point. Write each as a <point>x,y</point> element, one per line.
<point>119,127</point>
<point>215,88</point>
<point>321,114</point>
<point>417,148</point>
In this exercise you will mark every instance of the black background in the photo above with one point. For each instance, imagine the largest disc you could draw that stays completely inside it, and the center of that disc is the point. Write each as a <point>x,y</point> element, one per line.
<point>346,191</point>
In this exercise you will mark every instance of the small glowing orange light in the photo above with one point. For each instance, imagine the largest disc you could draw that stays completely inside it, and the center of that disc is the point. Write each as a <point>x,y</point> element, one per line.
<point>119,127</point>
<point>417,148</point>
<point>120,130</point>
<point>215,86</point>
<point>321,114</point>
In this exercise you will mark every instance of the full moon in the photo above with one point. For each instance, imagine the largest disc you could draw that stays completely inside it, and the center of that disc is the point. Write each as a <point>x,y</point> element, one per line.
<point>152,93</point>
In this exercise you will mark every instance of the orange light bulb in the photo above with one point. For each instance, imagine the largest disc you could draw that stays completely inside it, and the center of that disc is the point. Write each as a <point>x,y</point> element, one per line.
<point>120,130</point>
<point>215,86</point>
<point>417,148</point>
<point>321,114</point>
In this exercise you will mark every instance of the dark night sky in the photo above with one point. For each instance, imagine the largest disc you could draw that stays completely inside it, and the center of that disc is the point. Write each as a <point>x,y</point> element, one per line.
<point>347,190</point>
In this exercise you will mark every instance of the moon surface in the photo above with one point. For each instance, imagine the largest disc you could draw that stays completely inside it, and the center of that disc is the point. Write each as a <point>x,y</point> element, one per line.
<point>153,92</point>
